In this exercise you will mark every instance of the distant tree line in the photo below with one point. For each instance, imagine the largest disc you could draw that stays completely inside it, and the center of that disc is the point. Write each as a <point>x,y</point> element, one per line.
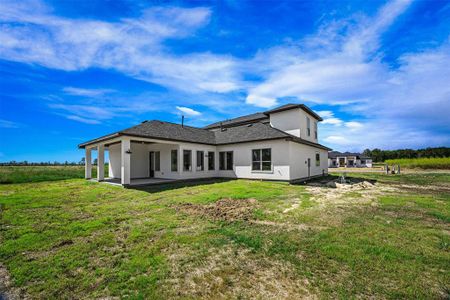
<point>379,155</point>
<point>45,163</point>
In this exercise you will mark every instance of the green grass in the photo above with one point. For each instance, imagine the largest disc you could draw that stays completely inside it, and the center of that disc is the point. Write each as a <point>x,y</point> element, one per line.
<point>421,163</point>
<point>22,174</point>
<point>79,239</point>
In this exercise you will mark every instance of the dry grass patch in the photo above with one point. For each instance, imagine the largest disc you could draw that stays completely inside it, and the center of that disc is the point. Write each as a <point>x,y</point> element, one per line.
<point>234,272</point>
<point>224,209</point>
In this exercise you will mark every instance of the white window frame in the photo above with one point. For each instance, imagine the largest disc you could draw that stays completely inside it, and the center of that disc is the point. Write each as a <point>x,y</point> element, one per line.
<point>213,160</point>
<point>202,160</point>
<point>183,161</point>
<point>226,161</point>
<point>261,161</point>
<point>176,156</point>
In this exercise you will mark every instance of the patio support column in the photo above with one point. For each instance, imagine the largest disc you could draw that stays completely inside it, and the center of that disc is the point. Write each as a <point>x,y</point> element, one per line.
<point>125,161</point>
<point>88,164</point>
<point>101,163</point>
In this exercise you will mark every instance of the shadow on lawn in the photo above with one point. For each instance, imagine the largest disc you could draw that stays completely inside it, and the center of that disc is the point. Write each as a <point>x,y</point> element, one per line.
<point>178,184</point>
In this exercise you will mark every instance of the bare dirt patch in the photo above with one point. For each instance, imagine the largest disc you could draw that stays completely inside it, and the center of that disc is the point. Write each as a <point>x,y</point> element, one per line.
<point>224,209</point>
<point>7,290</point>
<point>235,273</point>
<point>334,193</point>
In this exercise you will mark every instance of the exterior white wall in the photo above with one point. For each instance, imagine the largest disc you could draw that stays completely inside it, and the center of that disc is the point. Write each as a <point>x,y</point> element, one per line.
<point>139,160</point>
<point>165,161</point>
<point>294,122</point>
<point>288,160</point>
<point>299,155</point>
<point>242,155</point>
<point>114,161</point>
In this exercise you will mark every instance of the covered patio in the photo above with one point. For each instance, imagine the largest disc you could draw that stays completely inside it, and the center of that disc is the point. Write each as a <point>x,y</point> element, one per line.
<point>138,160</point>
<point>133,160</point>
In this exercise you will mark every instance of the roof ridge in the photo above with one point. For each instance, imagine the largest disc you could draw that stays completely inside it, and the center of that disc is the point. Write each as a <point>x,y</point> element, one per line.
<point>173,123</point>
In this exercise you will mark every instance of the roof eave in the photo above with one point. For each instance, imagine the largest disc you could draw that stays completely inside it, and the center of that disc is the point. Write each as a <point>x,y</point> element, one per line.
<point>301,106</point>
<point>105,138</point>
<point>100,139</point>
<point>308,143</point>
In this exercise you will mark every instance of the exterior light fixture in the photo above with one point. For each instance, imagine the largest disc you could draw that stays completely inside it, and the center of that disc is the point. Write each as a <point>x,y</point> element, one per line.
<point>128,151</point>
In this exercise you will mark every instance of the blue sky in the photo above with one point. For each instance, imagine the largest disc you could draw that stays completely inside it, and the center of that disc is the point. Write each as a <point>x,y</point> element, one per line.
<point>70,71</point>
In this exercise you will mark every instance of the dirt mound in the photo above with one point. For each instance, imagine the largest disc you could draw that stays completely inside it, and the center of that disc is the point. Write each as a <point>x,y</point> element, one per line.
<point>224,209</point>
<point>348,184</point>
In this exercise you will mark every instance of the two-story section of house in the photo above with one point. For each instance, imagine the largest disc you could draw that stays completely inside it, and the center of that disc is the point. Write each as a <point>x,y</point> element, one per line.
<point>278,144</point>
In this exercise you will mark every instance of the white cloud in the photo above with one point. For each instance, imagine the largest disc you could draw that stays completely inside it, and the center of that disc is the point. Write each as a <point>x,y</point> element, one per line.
<point>9,124</point>
<point>338,140</point>
<point>342,65</point>
<point>86,92</point>
<point>333,121</point>
<point>353,125</point>
<point>325,113</point>
<point>82,120</point>
<point>329,118</point>
<point>29,33</point>
<point>188,111</point>
<point>93,109</point>
<point>330,67</point>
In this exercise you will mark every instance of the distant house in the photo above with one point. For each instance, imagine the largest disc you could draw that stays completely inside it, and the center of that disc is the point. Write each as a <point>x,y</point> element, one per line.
<point>348,160</point>
<point>279,144</point>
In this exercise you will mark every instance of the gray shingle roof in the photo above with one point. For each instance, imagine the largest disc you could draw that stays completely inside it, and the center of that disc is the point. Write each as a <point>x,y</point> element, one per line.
<point>292,106</point>
<point>239,120</point>
<point>246,133</point>
<point>171,131</point>
<point>261,116</point>
<point>175,132</point>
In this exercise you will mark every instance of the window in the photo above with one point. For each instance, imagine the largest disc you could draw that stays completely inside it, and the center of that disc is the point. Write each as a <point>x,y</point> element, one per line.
<point>211,162</point>
<point>200,161</point>
<point>174,160</point>
<point>317,160</point>
<point>226,160</point>
<point>157,161</point>
<point>262,159</point>
<point>229,160</point>
<point>187,160</point>
<point>221,160</point>
<point>308,126</point>
<point>315,130</point>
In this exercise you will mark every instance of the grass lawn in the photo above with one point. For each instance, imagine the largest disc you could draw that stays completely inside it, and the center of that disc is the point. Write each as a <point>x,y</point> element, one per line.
<point>21,174</point>
<point>228,239</point>
<point>422,163</point>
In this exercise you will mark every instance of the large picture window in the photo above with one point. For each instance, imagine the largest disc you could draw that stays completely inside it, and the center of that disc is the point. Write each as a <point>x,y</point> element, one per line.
<point>317,160</point>
<point>200,161</point>
<point>174,160</point>
<point>187,160</point>
<point>211,162</point>
<point>262,159</point>
<point>226,160</point>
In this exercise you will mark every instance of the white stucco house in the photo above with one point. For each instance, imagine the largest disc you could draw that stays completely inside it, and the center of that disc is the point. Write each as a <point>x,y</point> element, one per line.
<point>279,144</point>
<point>348,160</point>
